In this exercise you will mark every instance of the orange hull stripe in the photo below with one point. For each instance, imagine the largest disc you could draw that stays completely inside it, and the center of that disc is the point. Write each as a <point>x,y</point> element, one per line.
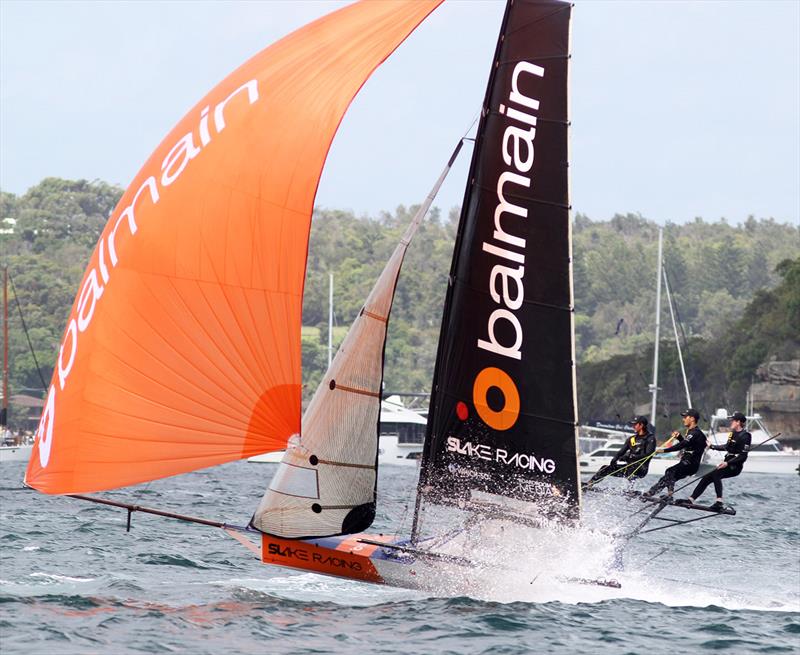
<point>310,557</point>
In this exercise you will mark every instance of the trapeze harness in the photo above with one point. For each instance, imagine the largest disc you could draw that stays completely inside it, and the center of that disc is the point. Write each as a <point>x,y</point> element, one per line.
<point>632,457</point>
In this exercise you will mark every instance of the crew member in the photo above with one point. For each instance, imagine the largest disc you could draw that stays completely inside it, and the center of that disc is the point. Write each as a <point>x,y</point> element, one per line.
<point>693,444</point>
<point>738,445</point>
<point>633,459</point>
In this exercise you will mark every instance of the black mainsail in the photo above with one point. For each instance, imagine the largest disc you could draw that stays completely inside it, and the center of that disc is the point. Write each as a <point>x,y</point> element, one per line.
<point>503,418</point>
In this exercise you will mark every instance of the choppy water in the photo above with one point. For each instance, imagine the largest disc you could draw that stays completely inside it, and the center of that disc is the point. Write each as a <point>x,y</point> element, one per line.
<point>73,581</point>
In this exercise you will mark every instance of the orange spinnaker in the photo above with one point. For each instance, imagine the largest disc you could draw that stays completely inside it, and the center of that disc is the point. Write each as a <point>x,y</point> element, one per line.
<point>182,349</point>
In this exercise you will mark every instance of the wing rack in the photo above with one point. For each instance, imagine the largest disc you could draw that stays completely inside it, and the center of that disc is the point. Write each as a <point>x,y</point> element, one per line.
<point>662,503</point>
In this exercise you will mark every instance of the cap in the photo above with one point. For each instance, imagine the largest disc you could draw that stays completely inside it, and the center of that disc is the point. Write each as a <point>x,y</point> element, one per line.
<point>691,412</point>
<point>738,416</point>
<point>638,419</point>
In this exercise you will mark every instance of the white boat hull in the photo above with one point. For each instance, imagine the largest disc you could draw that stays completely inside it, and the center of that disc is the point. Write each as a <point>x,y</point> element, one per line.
<point>15,453</point>
<point>267,458</point>
<point>777,463</point>
<point>767,454</point>
<point>658,465</point>
<point>390,451</point>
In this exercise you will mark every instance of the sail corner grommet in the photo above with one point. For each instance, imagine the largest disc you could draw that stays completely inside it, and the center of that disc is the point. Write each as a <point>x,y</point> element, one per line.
<point>313,460</point>
<point>332,385</point>
<point>316,508</point>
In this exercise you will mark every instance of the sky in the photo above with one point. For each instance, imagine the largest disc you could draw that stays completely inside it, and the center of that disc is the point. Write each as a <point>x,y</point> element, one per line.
<point>679,109</point>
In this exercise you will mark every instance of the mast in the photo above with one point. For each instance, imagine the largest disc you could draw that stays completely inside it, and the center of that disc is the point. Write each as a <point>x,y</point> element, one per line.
<point>654,385</point>
<point>4,411</point>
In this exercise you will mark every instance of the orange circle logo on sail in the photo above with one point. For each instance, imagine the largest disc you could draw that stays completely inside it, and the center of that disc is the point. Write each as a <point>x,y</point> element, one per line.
<point>504,418</point>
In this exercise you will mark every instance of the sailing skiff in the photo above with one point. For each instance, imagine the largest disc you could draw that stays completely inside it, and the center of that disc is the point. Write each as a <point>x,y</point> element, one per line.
<point>182,349</point>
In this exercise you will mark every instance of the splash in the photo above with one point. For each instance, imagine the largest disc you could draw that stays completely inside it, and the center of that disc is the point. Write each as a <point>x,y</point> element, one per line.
<point>554,562</point>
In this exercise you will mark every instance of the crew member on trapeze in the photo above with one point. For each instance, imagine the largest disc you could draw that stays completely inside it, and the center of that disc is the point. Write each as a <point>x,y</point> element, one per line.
<point>737,447</point>
<point>633,459</point>
<point>693,444</point>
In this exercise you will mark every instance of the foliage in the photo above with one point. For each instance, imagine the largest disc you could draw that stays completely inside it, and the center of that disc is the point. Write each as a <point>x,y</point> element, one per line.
<point>719,370</point>
<point>714,269</point>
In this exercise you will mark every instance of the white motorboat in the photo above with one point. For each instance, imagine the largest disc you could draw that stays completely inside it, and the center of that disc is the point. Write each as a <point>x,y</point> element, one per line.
<point>15,448</point>
<point>402,433</point>
<point>767,455</point>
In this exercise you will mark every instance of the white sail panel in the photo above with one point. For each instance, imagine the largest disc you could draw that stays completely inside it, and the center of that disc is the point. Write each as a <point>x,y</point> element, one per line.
<point>326,482</point>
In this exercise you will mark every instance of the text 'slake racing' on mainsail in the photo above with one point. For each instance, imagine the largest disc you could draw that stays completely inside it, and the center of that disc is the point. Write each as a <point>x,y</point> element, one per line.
<point>182,349</point>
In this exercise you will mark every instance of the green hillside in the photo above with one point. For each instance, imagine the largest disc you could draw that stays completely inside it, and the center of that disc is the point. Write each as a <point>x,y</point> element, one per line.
<point>715,270</point>
<point>719,370</point>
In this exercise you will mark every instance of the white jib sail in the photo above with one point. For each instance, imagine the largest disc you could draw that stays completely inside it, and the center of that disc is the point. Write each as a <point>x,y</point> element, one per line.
<point>326,483</point>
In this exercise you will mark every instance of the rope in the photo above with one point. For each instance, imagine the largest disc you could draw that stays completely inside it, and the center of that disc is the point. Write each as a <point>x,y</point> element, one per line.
<point>628,476</point>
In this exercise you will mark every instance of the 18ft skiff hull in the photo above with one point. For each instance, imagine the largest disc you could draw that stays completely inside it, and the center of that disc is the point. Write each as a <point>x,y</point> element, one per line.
<point>357,557</point>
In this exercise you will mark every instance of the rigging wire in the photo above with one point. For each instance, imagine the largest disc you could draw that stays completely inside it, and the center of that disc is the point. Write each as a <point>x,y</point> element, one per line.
<point>640,461</point>
<point>680,322</point>
<point>672,313</point>
<point>27,335</point>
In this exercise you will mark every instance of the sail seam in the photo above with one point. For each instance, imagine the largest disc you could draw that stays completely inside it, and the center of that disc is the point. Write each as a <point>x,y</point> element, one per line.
<point>563,308</point>
<point>538,201</point>
<point>532,59</point>
<point>464,280</point>
<point>539,120</point>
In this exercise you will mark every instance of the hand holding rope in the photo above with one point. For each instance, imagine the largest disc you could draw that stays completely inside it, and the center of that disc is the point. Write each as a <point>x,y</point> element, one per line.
<point>628,476</point>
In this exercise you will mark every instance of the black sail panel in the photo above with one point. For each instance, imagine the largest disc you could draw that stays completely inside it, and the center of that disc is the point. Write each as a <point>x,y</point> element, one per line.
<point>503,412</point>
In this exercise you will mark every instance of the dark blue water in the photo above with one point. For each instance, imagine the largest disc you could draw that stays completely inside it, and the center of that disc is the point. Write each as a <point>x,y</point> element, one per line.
<point>73,581</point>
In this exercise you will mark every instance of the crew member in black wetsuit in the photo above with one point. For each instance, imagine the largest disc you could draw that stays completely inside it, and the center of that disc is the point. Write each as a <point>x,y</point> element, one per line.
<point>632,460</point>
<point>738,445</point>
<point>693,444</point>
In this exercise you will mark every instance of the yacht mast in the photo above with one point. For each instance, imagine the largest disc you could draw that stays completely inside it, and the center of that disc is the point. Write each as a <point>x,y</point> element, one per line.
<point>654,385</point>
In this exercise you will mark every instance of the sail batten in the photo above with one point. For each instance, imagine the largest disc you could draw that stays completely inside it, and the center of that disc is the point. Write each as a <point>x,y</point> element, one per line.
<point>182,349</point>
